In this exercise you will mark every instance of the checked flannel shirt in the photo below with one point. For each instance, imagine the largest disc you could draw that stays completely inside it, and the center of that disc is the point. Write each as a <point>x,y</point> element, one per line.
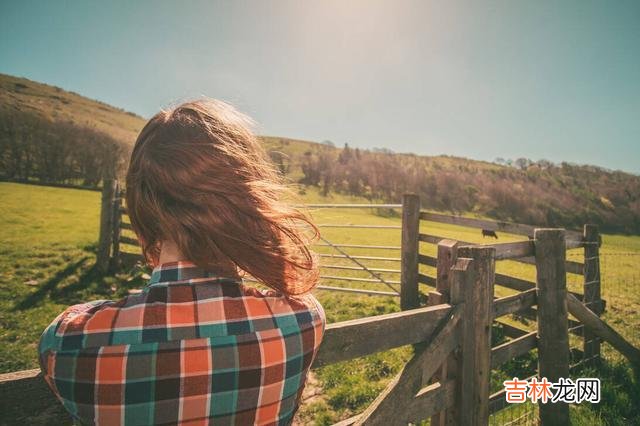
<point>192,348</point>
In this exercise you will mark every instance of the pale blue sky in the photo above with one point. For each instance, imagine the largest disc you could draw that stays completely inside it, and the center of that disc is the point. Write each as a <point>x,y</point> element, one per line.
<point>539,79</point>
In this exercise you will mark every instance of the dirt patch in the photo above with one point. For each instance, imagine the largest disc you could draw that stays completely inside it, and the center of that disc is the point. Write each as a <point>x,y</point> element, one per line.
<point>312,393</point>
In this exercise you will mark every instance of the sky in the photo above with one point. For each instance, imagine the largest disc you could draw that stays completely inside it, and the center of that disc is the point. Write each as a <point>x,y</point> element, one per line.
<point>478,79</point>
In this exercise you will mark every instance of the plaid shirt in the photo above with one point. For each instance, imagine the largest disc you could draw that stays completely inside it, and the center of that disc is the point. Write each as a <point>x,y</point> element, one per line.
<point>192,348</point>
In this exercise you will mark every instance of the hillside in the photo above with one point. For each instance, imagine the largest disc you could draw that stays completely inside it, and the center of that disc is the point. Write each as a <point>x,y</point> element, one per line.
<point>56,104</point>
<point>50,135</point>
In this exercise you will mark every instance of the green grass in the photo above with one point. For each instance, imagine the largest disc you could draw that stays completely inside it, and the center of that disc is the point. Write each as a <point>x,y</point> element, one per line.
<point>47,245</point>
<point>47,251</point>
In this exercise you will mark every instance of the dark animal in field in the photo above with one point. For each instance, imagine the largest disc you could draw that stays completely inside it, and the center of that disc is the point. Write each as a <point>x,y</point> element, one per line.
<point>489,233</point>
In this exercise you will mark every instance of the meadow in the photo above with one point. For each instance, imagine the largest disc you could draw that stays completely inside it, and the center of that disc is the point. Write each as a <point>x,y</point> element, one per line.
<point>48,241</point>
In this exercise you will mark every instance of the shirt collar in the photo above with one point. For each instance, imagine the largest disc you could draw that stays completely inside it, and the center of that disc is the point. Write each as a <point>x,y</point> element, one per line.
<point>180,270</point>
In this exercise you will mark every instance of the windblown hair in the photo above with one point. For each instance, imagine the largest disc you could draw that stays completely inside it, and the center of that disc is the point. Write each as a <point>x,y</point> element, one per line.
<point>200,178</point>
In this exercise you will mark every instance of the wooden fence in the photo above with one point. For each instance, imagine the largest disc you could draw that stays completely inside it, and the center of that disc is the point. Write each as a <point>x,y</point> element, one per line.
<point>520,251</point>
<point>112,258</point>
<point>448,378</point>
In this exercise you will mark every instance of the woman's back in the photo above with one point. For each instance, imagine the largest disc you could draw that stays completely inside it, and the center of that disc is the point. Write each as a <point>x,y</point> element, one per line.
<point>197,346</point>
<point>192,348</point>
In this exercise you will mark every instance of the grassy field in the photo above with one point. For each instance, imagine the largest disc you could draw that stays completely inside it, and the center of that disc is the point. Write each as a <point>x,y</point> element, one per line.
<point>47,250</point>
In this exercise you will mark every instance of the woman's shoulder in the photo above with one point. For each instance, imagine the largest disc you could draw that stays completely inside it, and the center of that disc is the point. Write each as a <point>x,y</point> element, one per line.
<point>280,303</point>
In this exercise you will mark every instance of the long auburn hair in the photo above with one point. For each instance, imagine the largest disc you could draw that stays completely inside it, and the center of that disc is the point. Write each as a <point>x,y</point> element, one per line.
<point>199,177</point>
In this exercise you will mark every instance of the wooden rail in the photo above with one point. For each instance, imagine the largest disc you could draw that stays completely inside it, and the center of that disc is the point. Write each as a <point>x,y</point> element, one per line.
<point>355,268</point>
<point>342,256</point>
<point>329,225</point>
<point>513,348</point>
<point>604,331</point>
<point>350,206</point>
<point>357,290</point>
<point>361,246</point>
<point>351,339</point>
<point>515,303</point>
<point>490,225</point>
<point>363,280</point>
<point>508,252</point>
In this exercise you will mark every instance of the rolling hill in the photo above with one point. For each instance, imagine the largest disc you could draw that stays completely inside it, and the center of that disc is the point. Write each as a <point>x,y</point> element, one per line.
<point>51,135</point>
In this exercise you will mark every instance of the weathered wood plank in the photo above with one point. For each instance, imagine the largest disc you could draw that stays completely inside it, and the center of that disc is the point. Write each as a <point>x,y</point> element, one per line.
<point>392,403</point>
<point>490,225</point>
<point>574,267</point>
<point>498,400</point>
<point>129,240</point>
<point>356,279</point>
<point>604,331</point>
<point>447,252</point>
<point>19,375</point>
<point>350,206</point>
<point>357,290</point>
<point>364,336</point>
<point>435,298</point>
<point>513,250</point>
<point>409,295</point>
<point>573,244</point>
<point>571,266</point>
<point>514,283</point>
<point>349,225</point>
<point>532,314</point>
<point>553,342</point>
<point>358,268</point>
<point>514,303</point>
<point>348,422</point>
<point>431,239</point>
<point>482,301</point>
<point>511,331</point>
<point>26,399</point>
<point>463,281</point>
<point>359,246</point>
<point>426,279</point>
<point>447,255</point>
<point>430,400</point>
<point>342,256</point>
<point>427,260</point>
<point>516,347</point>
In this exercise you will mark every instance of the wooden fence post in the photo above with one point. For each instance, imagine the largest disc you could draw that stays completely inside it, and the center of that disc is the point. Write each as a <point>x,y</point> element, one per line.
<point>553,334</point>
<point>106,224</point>
<point>117,220</point>
<point>478,338</point>
<point>409,296</point>
<point>463,281</point>
<point>592,298</point>
<point>447,254</point>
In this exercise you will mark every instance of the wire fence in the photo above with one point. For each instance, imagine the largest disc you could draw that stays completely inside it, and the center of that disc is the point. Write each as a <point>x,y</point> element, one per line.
<point>620,286</point>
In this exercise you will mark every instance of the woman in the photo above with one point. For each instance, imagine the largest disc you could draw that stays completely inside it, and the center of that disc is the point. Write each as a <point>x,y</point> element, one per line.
<point>197,346</point>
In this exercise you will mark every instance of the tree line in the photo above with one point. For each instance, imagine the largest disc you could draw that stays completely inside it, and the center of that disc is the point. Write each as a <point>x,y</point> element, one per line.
<point>33,148</point>
<point>540,193</point>
<point>55,152</point>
